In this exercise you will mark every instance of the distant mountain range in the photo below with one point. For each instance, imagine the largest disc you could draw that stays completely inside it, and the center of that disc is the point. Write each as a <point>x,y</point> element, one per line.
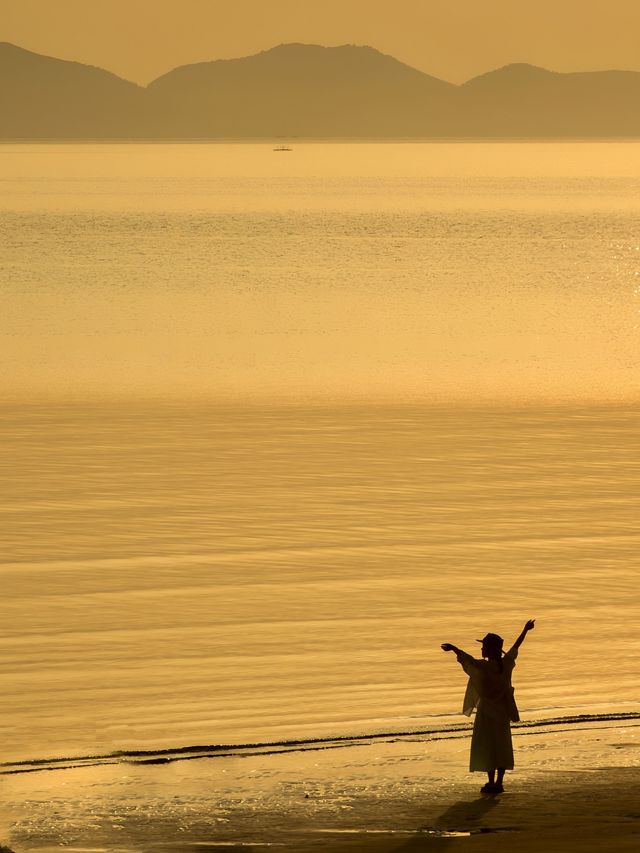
<point>298,90</point>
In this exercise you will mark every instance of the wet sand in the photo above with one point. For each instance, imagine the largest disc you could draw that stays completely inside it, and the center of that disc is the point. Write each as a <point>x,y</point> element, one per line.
<point>576,787</point>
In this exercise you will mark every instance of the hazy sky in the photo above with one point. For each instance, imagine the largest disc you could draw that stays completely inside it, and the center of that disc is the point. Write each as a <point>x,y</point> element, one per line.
<point>452,39</point>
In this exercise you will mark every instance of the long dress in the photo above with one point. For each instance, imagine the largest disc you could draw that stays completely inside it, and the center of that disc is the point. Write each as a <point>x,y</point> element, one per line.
<point>489,690</point>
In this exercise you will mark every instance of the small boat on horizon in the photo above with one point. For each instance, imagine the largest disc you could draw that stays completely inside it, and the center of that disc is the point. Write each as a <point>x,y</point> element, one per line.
<point>283,148</point>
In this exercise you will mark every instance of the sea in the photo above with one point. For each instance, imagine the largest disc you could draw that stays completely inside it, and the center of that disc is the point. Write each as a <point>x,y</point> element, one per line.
<point>276,424</point>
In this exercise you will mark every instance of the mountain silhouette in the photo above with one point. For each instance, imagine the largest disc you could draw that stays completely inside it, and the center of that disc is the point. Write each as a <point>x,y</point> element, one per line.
<point>524,100</point>
<point>298,90</point>
<point>303,90</point>
<point>42,97</point>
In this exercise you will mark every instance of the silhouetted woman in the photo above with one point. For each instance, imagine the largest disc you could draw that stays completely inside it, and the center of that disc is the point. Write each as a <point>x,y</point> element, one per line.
<point>489,691</point>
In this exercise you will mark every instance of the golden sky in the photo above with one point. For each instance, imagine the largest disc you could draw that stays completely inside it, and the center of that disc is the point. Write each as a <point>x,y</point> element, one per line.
<point>452,39</point>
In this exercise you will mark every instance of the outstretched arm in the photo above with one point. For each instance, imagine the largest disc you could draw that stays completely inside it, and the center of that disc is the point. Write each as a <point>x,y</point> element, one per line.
<point>464,659</point>
<point>528,627</point>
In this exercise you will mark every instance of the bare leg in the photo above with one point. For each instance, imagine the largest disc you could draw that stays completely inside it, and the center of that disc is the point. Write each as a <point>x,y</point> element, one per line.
<point>501,771</point>
<point>488,788</point>
<point>492,776</point>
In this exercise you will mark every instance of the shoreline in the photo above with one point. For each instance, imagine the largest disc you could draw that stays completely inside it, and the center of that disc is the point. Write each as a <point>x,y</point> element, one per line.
<point>452,731</point>
<point>567,792</point>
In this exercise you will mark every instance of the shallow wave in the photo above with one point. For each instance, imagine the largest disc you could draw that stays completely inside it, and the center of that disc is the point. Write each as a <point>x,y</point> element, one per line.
<point>186,753</point>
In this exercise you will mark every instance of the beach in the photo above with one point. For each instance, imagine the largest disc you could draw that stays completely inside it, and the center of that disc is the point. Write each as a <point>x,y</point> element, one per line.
<point>575,787</point>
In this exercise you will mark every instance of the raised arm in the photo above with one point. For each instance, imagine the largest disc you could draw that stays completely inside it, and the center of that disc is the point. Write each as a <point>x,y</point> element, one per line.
<point>528,627</point>
<point>448,647</point>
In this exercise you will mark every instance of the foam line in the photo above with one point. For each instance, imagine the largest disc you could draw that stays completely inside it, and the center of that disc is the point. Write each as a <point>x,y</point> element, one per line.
<point>183,753</point>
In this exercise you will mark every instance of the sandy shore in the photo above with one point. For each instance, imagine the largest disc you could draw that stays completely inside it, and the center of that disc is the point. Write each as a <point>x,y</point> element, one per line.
<point>575,788</point>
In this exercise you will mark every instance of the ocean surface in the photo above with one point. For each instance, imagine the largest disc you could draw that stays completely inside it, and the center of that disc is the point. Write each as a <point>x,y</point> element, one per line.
<point>274,425</point>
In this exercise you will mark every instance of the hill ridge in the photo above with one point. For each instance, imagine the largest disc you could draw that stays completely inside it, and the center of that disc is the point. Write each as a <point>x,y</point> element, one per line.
<point>308,90</point>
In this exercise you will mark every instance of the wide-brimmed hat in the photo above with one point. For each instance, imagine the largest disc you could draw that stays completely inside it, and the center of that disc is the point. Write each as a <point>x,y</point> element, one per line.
<point>492,640</point>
